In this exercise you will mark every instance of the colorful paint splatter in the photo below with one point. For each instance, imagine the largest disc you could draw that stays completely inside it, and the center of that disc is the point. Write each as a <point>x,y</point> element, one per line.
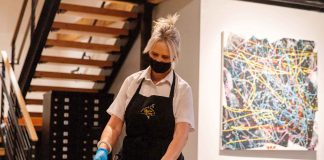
<point>270,94</point>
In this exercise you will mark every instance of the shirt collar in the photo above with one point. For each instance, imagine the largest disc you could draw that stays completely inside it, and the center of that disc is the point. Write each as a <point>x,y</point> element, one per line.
<point>147,75</point>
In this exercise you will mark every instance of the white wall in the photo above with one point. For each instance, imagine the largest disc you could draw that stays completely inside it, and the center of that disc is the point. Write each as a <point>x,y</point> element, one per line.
<point>9,11</point>
<point>130,66</point>
<point>187,68</point>
<point>258,19</point>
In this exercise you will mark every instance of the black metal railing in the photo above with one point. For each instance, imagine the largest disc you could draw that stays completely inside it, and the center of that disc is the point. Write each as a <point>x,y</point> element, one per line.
<point>38,41</point>
<point>18,133</point>
<point>30,26</point>
<point>17,145</point>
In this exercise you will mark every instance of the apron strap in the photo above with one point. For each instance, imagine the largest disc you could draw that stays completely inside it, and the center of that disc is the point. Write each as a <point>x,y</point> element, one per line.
<point>173,86</point>
<point>139,87</point>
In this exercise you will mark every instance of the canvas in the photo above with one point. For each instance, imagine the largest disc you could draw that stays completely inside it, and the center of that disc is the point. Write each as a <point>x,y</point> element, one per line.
<point>269,94</point>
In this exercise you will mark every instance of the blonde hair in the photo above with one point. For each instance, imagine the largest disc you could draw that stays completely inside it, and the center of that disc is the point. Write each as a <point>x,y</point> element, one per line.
<point>164,30</point>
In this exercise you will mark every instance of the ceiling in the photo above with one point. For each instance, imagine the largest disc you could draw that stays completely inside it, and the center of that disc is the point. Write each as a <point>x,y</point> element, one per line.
<point>315,5</point>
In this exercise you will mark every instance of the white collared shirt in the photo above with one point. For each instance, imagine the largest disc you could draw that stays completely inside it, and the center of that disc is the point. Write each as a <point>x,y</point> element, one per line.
<point>182,100</point>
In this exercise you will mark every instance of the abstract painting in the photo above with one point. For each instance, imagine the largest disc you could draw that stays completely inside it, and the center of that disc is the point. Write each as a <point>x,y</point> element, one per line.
<point>269,94</point>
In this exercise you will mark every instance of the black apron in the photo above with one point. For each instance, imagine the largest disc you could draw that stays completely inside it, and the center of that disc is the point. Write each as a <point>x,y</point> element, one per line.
<point>150,126</point>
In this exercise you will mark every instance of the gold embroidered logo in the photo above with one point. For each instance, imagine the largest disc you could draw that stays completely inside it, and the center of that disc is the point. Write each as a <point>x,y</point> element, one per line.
<point>148,111</point>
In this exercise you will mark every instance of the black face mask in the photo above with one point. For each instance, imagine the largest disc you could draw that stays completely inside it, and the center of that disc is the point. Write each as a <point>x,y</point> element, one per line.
<point>159,67</point>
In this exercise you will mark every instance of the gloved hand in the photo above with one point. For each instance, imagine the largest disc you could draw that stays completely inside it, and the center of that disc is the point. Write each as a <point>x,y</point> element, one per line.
<point>101,154</point>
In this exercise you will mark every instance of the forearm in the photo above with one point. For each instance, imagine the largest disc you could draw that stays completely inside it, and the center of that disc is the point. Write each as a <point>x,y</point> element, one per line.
<point>110,136</point>
<point>177,144</point>
<point>111,133</point>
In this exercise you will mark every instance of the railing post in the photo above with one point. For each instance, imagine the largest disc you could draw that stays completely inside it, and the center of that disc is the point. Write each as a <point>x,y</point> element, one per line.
<point>13,42</point>
<point>2,94</point>
<point>32,17</point>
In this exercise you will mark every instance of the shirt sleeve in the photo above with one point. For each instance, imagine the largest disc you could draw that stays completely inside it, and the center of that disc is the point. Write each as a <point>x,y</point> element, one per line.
<point>118,107</point>
<point>184,107</point>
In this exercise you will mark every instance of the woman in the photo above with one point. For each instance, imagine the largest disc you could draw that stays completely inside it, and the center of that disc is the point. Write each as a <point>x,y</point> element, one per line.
<point>155,104</point>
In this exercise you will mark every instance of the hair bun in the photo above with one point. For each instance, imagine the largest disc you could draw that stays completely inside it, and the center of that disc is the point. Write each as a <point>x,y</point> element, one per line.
<point>169,20</point>
<point>165,27</point>
<point>165,30</point>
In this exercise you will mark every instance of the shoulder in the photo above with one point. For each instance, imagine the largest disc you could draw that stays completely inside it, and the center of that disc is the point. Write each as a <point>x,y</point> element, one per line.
<point>181,84</point>
<point>134,77</point>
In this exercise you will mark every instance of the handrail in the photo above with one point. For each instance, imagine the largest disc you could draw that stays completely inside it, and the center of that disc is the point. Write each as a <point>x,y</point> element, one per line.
<point>17,145</point>
<point>22,104</point>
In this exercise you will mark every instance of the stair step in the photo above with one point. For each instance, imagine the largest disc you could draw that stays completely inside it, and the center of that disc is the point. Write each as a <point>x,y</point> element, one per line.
<point>76,61</point>
<point>49,88</point>
<point>34,101</point>
<point>70,76</point>
<point>2,151</point>
<point>37,122</point>
<point>81,45</point>
<point>155,1</point>
<point>96,13</point>
<point>36,114</point>
<point>70,28</point>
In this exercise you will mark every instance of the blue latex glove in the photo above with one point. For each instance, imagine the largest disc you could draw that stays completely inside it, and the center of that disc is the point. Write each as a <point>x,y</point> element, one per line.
<point>101,154</point>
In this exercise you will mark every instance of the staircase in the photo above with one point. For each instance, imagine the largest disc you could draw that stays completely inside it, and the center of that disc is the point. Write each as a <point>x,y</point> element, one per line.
<point>77,45</point>
<point>84,50</point>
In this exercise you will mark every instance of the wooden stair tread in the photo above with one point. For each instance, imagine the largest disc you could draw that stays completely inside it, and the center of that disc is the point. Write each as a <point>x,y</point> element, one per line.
<point>37,122</point>
<point>69,76</point>
<point>76,61</point>
<point>81,45</point>
<point>36,114</point>
<point>48,88</point>
<point>34,101</point>
<point>88,29</point>
<point>97,13</point>
<point>155,1</point>
<point>2,151</point>
<point>121,5</point>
